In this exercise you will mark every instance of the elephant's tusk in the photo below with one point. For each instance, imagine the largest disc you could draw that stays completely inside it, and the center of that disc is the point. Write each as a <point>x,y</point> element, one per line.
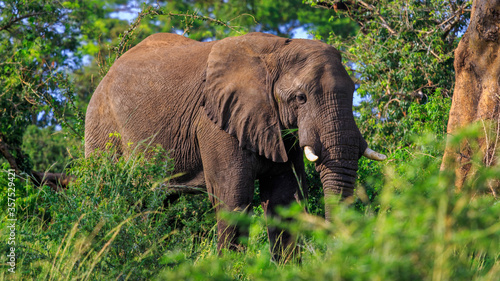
<point>370,154</point>
<point>309,152</point>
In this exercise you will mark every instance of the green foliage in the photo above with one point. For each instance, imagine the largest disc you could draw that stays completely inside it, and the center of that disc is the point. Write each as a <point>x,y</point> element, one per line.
<point>40,43</point>
<point>110,221</point>
<point>277,17</point>
<point>48,149</point>
<point>26,194</point>
<point>426,119</point>
<point>315,202</point>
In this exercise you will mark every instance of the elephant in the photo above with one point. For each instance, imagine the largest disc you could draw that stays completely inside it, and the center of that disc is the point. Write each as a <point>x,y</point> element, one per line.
<point>222,108</point>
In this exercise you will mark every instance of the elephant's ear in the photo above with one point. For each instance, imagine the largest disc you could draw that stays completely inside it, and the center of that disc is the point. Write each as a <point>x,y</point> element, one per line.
<point>237,94</point>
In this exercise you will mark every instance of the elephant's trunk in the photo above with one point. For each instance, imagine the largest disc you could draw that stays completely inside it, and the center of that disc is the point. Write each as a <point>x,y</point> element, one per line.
<point>337,180</point>
<point>341,147</point>
<point>336,145</point>
<point>338,171</point>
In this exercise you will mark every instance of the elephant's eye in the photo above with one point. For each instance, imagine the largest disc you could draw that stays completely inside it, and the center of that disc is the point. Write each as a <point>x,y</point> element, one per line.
<point>301,98</point>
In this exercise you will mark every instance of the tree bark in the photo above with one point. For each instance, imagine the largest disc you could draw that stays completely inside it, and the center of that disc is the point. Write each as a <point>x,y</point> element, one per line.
<point>476,98</point>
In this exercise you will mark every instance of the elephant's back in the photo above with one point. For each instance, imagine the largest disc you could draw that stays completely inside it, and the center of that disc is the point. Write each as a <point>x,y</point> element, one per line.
<point>152,91</point>
<point>166,39</point>
<point>161,41</point>
<point>160,75</point>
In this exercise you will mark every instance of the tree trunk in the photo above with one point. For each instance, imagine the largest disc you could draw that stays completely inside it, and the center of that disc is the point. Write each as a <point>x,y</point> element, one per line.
<point>476,97</point>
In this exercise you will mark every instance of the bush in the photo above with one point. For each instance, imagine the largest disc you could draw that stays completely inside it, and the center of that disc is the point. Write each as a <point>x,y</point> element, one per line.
<point>48,148</point>
<point>110,222</point>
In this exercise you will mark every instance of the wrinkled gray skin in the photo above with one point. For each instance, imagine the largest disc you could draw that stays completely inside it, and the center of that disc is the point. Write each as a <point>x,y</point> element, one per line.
<point>221,108</point>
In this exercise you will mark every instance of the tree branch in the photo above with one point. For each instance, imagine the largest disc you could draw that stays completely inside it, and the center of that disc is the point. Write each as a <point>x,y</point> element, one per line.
<point>184,189</point>
<point>12,21</point>
<point>453,20</point>
<point>373,9</point>
<point>55,181</point>
<point>339,5</point>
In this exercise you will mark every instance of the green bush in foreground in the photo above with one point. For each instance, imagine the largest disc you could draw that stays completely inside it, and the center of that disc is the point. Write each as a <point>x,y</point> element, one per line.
<point>419,228</point>
<point>112,224</point>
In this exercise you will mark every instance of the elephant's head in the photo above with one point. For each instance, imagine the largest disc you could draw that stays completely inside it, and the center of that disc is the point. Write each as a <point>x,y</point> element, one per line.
<point>258,85</point>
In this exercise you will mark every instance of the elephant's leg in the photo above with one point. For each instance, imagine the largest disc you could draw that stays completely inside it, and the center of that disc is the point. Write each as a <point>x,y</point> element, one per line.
<point>229,176</point>
<point>281,191</point>
<point>224,198</point>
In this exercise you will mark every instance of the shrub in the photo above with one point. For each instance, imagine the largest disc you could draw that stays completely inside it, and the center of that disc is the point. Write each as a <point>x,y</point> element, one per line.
<point>111,221</point>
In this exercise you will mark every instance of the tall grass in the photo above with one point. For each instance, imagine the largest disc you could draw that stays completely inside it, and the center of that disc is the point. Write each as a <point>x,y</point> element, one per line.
<point>112,223</point>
